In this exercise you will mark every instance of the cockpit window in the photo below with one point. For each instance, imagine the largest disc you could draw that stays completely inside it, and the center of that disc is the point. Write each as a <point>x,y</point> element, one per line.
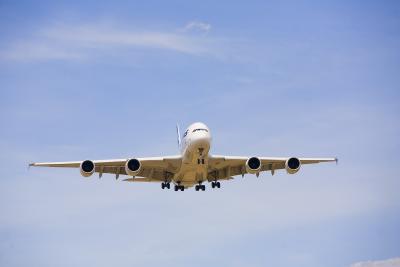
<point>200,129</point>
<point>184,135</point>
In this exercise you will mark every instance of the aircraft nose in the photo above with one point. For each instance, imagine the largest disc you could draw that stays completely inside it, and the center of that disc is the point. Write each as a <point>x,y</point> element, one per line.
<point>202,141</point>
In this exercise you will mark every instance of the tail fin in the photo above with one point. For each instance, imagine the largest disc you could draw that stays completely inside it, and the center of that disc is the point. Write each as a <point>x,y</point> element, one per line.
<point>178,133</point>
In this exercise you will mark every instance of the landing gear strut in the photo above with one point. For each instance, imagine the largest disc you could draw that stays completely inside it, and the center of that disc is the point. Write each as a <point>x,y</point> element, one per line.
<point>216,184</point>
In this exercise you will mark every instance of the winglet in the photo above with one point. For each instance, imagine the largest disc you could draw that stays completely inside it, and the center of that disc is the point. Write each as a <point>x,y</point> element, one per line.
<point>336,160</point>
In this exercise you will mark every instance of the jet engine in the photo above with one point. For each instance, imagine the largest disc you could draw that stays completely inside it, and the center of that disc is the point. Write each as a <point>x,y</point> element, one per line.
<point>133,167</point>
<point>87,168</point>
<point>253,165</point>
<point>292,165</point>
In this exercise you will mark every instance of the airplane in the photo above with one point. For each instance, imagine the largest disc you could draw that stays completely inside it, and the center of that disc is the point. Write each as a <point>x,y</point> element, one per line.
<point>193,167</point>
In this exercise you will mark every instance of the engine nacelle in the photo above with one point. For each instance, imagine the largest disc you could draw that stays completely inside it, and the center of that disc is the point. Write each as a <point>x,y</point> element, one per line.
<point>292,165</point>
<point>133,167</point>
<point>87,168</point>
<point>253,165</point>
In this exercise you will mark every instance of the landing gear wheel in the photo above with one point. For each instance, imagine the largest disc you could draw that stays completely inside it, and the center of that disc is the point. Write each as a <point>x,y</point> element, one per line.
<point>162,185</point>
<point>179,187</point>
<point>168,185</point>
<point>215,184</point>
<point>200,187</point>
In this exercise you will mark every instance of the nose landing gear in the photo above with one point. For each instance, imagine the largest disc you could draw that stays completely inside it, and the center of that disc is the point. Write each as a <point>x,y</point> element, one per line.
<point>201,150</point>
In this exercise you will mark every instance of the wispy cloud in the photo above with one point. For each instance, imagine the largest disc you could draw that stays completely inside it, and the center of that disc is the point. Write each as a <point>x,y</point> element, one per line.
<point>197,26</point>
<point>73,42</point>
<point>395,262</point>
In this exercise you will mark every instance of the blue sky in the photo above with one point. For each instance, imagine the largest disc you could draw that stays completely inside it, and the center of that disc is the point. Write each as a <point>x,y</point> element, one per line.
<point>105,79</point>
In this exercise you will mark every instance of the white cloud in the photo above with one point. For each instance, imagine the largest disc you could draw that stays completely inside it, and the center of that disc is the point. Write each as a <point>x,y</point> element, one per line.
<point>197,26</point>
<point>77,42</point>
<point>395,262</point>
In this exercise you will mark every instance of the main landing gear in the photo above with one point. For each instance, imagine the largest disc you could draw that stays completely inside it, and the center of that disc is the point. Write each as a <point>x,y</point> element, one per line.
<point>179,187</point>
<point>200,187</point>
<point>165,185</point>
<point>215,184</point>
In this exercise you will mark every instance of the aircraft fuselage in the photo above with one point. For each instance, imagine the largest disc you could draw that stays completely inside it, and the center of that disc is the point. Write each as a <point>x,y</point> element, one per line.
<point>195,146</point>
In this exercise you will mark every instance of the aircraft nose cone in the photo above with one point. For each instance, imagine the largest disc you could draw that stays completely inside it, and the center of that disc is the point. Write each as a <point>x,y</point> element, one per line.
<point>202,141</point>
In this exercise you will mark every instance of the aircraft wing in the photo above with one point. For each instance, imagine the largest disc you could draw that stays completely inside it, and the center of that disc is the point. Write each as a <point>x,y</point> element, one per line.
<point>153,169</point>
<point>224,167</point>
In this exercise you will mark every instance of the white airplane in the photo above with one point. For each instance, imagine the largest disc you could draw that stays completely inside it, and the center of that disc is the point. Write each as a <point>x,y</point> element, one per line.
<point>193,166</point>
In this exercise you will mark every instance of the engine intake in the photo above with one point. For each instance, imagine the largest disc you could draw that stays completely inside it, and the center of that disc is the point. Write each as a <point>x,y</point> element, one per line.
<point>253,165</point>
<point>87,168</point>
<point>133,167</point>
<point>292,165</point>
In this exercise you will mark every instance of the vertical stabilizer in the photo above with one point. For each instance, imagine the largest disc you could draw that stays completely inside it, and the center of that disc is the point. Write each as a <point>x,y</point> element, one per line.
<point>178,133</point>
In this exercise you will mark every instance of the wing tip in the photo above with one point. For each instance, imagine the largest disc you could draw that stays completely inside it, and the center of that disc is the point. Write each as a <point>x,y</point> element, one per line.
<point>31,164</point>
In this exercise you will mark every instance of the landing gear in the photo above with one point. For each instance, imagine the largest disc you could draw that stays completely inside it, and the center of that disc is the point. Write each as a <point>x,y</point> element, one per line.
<point>215,184</point>
<point>165,185</point>
<point>179,187</point>
<point>200,187</point>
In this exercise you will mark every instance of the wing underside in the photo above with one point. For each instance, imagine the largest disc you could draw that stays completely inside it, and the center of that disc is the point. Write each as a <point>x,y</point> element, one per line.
<point>164,169</point>
<point>155,169</point>
<point>224,167</point>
